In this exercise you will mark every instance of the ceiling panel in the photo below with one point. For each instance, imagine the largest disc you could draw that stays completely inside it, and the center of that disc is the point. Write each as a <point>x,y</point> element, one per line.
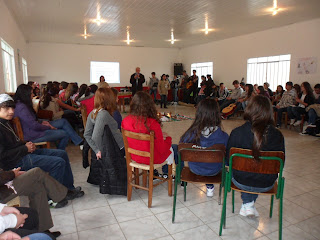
<point>151,21</point>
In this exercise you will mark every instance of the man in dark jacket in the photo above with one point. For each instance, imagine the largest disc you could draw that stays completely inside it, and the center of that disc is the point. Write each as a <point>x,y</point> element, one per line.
<point>137,79</point>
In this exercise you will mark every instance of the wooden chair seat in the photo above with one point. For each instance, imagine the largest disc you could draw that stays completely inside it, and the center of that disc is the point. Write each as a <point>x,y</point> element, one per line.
<point>272,191</point>
<point>188,176</point>
<point>146,166</point>
<point>14,202</point>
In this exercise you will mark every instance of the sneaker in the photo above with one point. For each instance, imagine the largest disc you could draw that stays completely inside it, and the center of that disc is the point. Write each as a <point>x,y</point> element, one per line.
<point>311,125</point>
<point>182,184</point>
<point>72,194</point>
<point>278,126</point>
<point>318,135</point>
<point>243,211</point>
<point>210,192</point>
<point>292,121</point>
<point>60,204</point>
<point>250,209</point>
<point>297,123</point>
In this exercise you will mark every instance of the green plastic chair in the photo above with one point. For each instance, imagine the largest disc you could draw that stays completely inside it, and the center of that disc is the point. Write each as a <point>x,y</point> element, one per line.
<point>270,163</point>
<point>190,153</point>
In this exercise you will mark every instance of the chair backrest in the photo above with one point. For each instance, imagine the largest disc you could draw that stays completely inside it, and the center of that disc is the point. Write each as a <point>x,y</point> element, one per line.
<point>242,160</point>
<point>142,137</point>
<point>192,153</point>
<point>17,127</point>
<point>45,114</point>
<point>84,115</point>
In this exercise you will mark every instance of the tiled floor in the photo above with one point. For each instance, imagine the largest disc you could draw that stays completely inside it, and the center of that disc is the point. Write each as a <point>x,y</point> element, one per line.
<point>97,216</point>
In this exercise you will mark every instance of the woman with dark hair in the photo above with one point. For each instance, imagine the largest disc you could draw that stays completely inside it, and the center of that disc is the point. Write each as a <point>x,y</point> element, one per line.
<point>257,134</point>
<point>143,118</point>
<point>88,101</point>
<point>278,95</point>
<point>263,92</point>
<point>50,101</point>
<point>304,99</point>
<point>266,87</point>
<point>297,88</point>
<point>57,130</point>
<point>83,92</point>
<point>205,131</point>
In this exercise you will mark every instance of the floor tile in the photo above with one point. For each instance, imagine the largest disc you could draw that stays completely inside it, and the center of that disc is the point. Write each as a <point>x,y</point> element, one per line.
<point>311,225</point>
<point>71,236</point>
<point>89,201</point>
<point>236,228</point>
<point>307,201</point>
<point>130,210</point>
<point>112,232</point>
<point>184,220</point>
<point>64,223</point>
<point>93,218</point>
<point>202,232</point>
<point>144,228</point>
<point>291,233</point>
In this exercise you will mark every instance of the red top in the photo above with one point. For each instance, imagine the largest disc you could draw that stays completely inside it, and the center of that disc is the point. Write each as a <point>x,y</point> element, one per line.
<point>161,146</point>
<point>89,103</point>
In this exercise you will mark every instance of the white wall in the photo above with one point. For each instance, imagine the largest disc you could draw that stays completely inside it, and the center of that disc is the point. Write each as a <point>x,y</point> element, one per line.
<point>71,62</point>
<point>230,56</point>
<point>10,32</point>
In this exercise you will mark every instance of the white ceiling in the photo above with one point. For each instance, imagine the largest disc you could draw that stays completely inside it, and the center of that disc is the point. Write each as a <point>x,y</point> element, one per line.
<point>150,21</point>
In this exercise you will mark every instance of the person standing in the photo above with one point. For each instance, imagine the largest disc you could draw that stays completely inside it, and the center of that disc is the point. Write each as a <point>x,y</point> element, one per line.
<point>163,88</point>
<point>184,82</point>
<point>174,85</point>
<point>153,85</point>
<point>195,80</point>
<point>137,79</point>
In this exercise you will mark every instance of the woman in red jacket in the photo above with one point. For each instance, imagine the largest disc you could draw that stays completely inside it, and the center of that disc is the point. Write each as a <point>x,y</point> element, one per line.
<point>143,118</point>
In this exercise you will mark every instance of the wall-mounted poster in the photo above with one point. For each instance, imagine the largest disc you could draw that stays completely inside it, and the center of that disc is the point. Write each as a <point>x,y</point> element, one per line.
<point>307,65</point>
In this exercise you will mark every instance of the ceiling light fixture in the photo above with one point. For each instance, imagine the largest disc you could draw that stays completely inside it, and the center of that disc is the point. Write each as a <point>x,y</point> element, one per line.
<point>85,35</point>
<point>128,36</point>
<point>206,29</point>
<point>275,7</point>
<point>98,20</point>
<point>172,37</point>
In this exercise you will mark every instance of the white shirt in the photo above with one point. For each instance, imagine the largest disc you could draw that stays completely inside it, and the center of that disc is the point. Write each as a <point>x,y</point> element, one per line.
<point>302,99</point>
<point>8,221</point>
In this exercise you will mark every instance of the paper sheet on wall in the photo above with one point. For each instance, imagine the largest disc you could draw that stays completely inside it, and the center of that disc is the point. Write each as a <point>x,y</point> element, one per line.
<point>307,65</point>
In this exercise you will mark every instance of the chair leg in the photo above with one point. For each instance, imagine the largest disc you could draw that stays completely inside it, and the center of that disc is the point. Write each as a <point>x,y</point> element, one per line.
<point>223,212</point>
<point>136,174</point>
<point>129,187</point>
<point>175,198</point>
<point>220,189</point>
<point>170,180</point>
<point>150,187</point>
<point>144,178</point>
<point>232,201</point>
<point>271,206</point>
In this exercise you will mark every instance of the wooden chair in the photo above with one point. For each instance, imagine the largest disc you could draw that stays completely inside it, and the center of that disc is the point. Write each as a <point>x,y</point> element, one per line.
<point>188,153</point>
<point>133,167</point>
<point>270,163</point>
<point>45,114</point>
<point>84,115</point>
<point>18,130</point>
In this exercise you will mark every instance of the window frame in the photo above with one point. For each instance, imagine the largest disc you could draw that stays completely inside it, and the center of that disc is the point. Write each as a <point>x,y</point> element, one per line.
<point>199,67</point>
<point>24,70</point>
<point>8,61</point>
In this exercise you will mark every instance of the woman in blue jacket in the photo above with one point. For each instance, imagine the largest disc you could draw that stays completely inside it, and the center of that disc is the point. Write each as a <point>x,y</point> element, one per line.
<point>205,131</point>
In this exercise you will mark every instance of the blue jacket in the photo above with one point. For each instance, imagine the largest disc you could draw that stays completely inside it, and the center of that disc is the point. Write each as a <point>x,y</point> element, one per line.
<point>208,169</point>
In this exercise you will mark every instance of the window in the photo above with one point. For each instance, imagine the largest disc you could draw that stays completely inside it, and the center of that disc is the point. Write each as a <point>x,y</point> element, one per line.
<point>274,70</point>
<point>25,71</point>
<point>110,71</point>
<point>202,69</point>
<point>8,67</point>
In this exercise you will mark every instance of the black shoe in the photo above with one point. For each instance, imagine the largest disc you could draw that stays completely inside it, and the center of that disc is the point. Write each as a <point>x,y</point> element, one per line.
<point>77,189</point>
<point>55,234</point>
<point>182,184</point>
<point>165,107</point>
<point>72,194</point>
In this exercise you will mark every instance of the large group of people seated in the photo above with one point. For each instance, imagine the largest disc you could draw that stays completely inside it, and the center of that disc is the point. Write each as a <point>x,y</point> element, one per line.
<point>45,175</point>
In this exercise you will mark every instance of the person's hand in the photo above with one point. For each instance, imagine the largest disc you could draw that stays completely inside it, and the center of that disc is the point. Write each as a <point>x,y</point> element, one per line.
<point>98,155</point>
<point>17,172</point>
<point>11,236</point>
<point>46,123</point>
<point>8,210</point>
<point>52,127</point>
<point>78,109</point>
<point>31,147</point>
<point>21,218</point>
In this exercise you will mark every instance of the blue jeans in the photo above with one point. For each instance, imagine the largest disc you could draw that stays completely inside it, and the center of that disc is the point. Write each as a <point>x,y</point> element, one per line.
<point>154,91</point>
<point>312,116</point>
<point>248,197</point>
<point>62,134</point>
<point>54,161</point>
<point>39,236</point>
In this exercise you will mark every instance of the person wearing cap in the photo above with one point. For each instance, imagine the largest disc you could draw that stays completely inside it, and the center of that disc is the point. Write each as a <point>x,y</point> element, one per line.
<point>16,153</point>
